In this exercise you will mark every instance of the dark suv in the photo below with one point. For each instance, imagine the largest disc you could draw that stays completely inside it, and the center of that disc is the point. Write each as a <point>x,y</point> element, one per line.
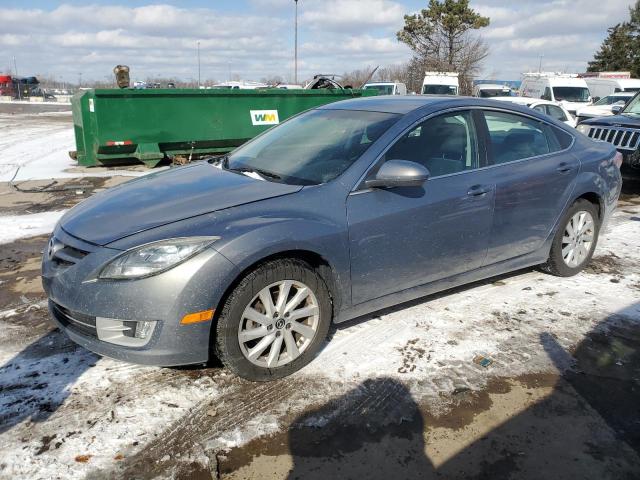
<point>622,130</point>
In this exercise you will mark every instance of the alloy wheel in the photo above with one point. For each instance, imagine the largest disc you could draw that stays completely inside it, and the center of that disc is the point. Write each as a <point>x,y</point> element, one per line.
<point>279,324</point>
<point>578,239</point>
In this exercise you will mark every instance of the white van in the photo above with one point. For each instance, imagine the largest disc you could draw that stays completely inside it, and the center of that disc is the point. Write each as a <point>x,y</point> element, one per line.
<point>440,83</point>
<point>607,83</point>
<point>567,89</point>
<point>487,90</point>
<point>387,88</point>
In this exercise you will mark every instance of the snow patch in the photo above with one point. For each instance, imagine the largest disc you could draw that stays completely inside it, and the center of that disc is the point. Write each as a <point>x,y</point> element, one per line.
<point>15,227</point>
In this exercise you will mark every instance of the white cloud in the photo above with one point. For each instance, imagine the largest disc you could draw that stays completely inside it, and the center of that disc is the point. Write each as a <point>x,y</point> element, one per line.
<point>335,36</point>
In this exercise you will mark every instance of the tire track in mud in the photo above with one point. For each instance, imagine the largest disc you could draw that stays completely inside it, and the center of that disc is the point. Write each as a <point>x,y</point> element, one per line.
<point>244,401</point>
<point>233,409</point>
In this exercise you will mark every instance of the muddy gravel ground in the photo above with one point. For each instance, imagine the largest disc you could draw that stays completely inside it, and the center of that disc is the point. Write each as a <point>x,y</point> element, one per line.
<point>524,376</point>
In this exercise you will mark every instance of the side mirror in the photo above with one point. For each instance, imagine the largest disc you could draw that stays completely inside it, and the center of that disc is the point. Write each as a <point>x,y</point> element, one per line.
<point>595,99</point>
<point>616,109</point>
<point>399,173</point>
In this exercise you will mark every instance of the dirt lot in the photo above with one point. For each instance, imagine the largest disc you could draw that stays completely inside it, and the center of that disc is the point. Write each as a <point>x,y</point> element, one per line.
<point>524,376</point>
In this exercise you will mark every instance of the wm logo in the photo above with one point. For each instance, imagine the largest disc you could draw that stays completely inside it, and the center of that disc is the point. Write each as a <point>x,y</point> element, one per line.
<point>264,117</point>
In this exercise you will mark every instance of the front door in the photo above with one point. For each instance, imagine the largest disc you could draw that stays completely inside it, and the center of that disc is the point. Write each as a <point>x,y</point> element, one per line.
<point>405,237</point>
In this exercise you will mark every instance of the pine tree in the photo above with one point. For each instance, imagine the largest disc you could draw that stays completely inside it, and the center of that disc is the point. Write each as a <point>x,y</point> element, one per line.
<point>620,51</point>
<point>634,27</point>
<point>440,37</point>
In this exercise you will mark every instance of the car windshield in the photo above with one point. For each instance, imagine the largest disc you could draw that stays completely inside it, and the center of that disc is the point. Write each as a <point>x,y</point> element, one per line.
<point>571,94</point>
<point>494,92</point>
<point>633,107</point>
<point>382,89</point>
<point>439,90</point>
<point>312,148</point>
<point>632,89</point>
<point>611,99</point>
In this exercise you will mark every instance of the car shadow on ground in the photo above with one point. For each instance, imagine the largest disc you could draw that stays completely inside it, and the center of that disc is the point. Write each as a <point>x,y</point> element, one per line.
<point>37,381</point>
<point>582,424</point>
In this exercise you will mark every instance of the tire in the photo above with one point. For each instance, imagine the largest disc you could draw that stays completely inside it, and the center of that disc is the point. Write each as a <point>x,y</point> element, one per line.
<point>558,264</point>
<point>244,308</point>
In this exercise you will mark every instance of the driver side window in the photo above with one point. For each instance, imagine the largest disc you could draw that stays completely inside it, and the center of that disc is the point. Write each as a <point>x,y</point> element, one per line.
<point>444,144</point>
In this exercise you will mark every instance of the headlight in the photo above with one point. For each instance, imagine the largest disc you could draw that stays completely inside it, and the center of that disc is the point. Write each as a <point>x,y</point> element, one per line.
<point>583,129</point>
<point>154,258</point>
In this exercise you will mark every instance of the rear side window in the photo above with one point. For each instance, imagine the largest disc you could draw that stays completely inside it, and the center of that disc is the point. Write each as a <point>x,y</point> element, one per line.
<point>556,112</point>
<point>515,137</point>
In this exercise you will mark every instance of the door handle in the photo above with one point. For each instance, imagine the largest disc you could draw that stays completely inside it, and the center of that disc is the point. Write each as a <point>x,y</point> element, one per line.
<point>564,168</point>
<point>478,191</point>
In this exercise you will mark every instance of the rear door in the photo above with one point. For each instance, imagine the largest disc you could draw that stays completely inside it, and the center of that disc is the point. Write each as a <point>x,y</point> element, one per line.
<point>534,175</point>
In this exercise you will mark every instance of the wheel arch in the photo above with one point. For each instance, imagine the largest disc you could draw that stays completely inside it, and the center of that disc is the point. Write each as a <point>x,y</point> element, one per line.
<point>594,198</point>
<point>314,259</point>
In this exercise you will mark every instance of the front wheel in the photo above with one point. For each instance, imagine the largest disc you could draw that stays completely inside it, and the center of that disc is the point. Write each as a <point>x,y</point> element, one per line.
<point>274,321</point>
<point>575,240</point>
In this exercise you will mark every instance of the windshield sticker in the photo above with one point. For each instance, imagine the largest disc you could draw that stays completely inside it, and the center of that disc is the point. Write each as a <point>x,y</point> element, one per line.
<point>264,117</point>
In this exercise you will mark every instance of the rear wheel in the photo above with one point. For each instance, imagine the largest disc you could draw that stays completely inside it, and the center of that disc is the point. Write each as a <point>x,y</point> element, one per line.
<point>575,240</point>
<point>274,321</point>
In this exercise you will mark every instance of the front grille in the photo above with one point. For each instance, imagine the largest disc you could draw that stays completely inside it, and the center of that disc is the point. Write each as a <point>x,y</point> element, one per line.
<point>622,138</point>
<point>78,322</point>
<point>64,255</point>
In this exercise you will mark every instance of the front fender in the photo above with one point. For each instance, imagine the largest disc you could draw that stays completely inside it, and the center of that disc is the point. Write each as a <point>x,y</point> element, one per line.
<point>255,239</point>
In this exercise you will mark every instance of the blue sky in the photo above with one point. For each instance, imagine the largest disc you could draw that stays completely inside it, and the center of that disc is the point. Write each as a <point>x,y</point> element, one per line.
<point>253,39</point>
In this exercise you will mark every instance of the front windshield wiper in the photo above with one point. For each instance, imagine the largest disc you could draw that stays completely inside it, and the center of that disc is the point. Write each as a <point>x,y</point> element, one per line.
<point>259,171</point>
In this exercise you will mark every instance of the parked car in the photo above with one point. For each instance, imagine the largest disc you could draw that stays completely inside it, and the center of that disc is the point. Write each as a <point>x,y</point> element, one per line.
<point>622,130</point>
<point>553,109</point>
<point>604,106</point>
<point>338,212</point>
<point>567,89</point>
<point>387,88</point>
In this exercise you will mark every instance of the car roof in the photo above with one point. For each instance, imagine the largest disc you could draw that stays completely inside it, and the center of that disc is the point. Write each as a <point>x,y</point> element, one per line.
<point>403,104</point>
<point>526,100</point>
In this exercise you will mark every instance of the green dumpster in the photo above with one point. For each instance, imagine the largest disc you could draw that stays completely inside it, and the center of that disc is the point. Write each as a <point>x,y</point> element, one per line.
<point>116,126</point>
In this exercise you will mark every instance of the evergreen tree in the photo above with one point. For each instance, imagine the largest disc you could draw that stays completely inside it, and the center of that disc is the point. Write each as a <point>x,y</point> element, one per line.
<point>440,38</point>
<point>620,51</point>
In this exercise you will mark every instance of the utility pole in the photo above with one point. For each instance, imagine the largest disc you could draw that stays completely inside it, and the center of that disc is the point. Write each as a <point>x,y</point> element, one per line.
<point>540,63</point>
<point>295,71</point>
<point>198,63</point>
<point>15,69</point>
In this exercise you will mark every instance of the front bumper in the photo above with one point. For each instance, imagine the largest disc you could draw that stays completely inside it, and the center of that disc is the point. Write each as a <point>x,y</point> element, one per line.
<point>195,285</point>
<point>631,159</point>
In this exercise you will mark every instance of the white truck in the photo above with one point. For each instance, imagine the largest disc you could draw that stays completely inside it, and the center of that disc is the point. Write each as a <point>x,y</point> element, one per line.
<point>440,83</point>
<point>568,89</point>
<point>603,84</point>
<point>487,90</point>
<point>387,88</point>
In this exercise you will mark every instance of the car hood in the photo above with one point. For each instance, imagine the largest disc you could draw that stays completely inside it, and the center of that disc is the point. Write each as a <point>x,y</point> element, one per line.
<point>595,111</point>
<point>162,198</point>
<point>631,121</point>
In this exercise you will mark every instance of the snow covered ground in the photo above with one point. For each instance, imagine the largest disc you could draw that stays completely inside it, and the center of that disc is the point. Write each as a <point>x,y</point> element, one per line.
<point>62,402</point>
<point>34,149</point>
<point>13,227</point>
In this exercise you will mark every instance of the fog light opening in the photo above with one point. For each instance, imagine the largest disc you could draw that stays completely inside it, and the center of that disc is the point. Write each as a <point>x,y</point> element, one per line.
<point>143,329</point>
